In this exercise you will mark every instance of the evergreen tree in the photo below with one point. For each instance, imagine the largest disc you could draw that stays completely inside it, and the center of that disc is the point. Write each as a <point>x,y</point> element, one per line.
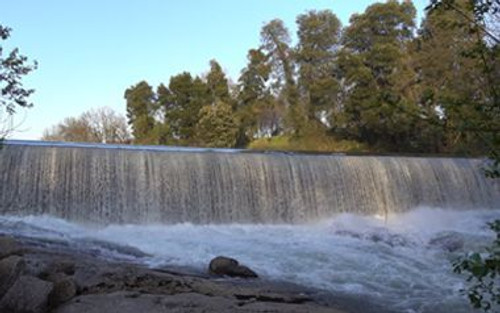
<point>319,41</point>
<point>217,83</point>
<point>217,126</point>
<point>276,42</point>
<point>186,96</point>
<point>141,107</point>
<point>379,108</point>
<point>257,113</point>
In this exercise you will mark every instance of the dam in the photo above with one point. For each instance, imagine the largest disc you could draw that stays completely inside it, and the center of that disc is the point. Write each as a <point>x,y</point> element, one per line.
<point>106,184</point>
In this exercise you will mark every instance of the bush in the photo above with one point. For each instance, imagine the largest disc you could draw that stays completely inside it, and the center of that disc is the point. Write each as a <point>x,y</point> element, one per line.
<point>483,272</point>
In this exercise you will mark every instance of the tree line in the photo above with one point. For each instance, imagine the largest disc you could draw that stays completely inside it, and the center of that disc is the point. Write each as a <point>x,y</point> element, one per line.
<point>380,81</point>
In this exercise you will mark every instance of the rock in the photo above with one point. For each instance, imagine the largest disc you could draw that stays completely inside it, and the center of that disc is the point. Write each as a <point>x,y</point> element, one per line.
<point>27,295</point>
<point>222,265</point>
<point>10,269</point>
<point>64,289</point>
<point>61,266</point>
<point>448,241</point>
<point>8,246</point>
<point>129,302</point>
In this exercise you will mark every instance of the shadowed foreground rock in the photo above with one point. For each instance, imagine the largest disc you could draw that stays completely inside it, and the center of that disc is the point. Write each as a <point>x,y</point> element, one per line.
<point>54,278</point>
<point>27,295</point>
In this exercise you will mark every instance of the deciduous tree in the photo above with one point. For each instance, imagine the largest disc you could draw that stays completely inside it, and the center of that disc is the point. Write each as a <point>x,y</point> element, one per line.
<point>13,95</point>
<point>102,125</point>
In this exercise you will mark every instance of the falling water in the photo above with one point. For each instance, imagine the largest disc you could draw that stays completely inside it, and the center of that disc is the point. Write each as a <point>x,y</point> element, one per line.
<point>141,185</point>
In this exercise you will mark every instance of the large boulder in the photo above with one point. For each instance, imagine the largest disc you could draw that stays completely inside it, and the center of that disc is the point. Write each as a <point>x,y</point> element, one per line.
<point>10,269</point>
<point>64,288</point>
<point>225,266</point>
<point>27,295</point>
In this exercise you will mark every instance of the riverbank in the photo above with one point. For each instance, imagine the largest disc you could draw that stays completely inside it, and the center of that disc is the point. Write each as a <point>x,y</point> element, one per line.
<point>42,276</point>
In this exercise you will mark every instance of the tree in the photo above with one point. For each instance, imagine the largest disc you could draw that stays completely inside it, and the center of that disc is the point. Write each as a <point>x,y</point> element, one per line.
<point>182,103</point>
<point>452,78</point>
<point>258,113</point>
<point>217,127</point>
<point>102,125</point>
<point>377,72</point>
<point>141,107</point>
<point>480,21</point>
<point>319,41</point>
<point>13,95</point>
<point>475,16</point>
<point>276,41</point>
<point>217,83</point>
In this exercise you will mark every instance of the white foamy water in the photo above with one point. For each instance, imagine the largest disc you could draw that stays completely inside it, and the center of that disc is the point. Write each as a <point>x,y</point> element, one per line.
<point>390,262</point>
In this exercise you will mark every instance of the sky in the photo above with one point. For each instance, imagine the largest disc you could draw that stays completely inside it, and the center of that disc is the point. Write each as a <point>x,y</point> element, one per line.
<point>89,52</point>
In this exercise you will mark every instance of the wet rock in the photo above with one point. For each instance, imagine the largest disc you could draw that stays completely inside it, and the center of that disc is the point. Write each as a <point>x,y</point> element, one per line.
<point>8,246</point>
<point>448,241</point>
<point>27,295</point>
<point>222,265</point>
<point>10,269</point>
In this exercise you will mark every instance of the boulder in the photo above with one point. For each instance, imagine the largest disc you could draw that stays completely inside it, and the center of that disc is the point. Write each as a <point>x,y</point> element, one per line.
<point>64,288</point>
<point>8,246</point>
<point>27,295</point>
<point>222,265</point>
<point>10,269</point>
<point>61,266</point>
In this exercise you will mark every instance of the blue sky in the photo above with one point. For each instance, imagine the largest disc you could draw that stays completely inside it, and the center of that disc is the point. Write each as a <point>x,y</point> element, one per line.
<point>90,51</point>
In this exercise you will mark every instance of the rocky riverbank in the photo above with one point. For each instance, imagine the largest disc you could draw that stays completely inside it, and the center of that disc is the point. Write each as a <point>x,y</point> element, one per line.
<point>41,277</point>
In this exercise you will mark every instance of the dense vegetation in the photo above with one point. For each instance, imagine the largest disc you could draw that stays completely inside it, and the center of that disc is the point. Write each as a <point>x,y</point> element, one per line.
<point>377,84</point>
<point>482,268</point>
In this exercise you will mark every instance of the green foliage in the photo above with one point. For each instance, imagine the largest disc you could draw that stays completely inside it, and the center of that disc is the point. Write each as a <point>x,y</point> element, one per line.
<point>308,143</point>
<point>377,82</point>
<point>377,71</point>
<point>13,95</point>
<point>483,273</point>
<point>217,127</point>
<point>217,83</point>
<point>257,111</point>
<point>469,84</point>
<point>187,95</point>
<point>319,40</point>
<point>140,109</point>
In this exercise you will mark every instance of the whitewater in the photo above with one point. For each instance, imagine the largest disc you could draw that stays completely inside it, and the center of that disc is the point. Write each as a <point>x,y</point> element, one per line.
<point>399,263</point>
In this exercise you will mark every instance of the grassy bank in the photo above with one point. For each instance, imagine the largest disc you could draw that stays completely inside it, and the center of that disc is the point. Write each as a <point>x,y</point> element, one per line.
<point>308,143</point>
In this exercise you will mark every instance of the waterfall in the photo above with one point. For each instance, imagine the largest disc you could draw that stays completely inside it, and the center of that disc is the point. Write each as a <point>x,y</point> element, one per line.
<point>141,185</point>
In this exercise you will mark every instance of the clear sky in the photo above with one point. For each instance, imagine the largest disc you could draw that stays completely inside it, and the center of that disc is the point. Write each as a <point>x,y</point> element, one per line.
<point>90,51</point>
